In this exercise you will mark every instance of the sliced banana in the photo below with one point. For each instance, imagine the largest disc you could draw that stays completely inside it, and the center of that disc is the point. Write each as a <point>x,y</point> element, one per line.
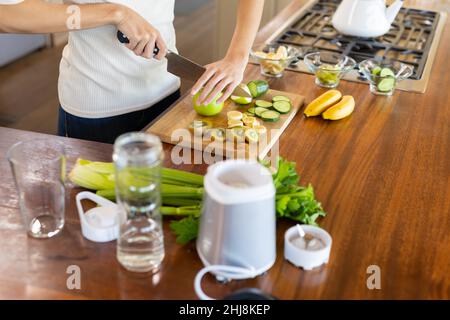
<point>260,129</point>
<point>234,115</point>
<point>249,121</point>
<point>215,134</point>
<point>236,134</point>
<point>251,135</point>
<point>235,123</point>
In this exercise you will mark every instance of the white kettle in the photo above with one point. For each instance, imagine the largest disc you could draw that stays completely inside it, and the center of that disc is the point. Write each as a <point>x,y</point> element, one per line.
<point>365,18</point>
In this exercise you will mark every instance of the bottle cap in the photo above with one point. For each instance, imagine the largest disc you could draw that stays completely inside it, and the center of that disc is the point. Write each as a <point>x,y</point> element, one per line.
<point>99,224</point>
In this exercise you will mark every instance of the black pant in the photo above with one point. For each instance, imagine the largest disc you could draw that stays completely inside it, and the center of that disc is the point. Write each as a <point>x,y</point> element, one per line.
<point>108,129</point>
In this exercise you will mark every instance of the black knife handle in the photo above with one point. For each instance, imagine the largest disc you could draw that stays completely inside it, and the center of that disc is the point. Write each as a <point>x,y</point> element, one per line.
<point>123,39</point>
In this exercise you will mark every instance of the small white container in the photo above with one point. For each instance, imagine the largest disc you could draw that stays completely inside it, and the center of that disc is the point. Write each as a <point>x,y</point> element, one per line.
<point>307,259</point>
<point>99,224</point>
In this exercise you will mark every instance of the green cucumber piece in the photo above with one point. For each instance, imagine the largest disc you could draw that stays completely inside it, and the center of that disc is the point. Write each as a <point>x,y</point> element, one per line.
<point>386,72</point>
<point>251,110</point>
<point>376,71</point>
<point>263,104</point>
<point>258,87</point>
<point>282,106</point>
<point>386,84</point>
<point>270,115</point>
<point>259,111</point>
<point>281,98</point>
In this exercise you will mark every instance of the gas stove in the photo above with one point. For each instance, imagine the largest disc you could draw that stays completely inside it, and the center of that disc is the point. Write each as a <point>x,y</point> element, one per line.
<point>413,39</point>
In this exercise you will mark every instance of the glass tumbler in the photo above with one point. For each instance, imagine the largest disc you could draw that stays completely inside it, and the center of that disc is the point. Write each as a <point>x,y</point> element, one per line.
<point>137,158</point>
<point>39,169</point>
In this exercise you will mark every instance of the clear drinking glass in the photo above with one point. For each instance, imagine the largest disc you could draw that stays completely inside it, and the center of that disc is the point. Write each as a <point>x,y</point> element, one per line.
<point>329,67</point>
<point>138,158</point>
<point>39,170</point>
<point>273,65</point>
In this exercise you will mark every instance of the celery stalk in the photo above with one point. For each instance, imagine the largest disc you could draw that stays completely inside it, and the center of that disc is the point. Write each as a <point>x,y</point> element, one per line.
<point>97,175</point>
<point>181,211</point>
<point>169,201</point>
<point>183,177</point>
<point>87,178</point>
<point>180,202</point>
<point>109,194</point>
<point>172,191</point>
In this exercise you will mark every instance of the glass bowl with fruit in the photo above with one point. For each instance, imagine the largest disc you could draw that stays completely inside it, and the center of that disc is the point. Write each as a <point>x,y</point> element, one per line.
<point>274,58</point>
<point>384,75</point>
<point>329,67</point>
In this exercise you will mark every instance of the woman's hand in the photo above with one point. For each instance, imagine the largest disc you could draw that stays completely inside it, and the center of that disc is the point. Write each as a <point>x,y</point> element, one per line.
<point>142,35</point>
<point>225,74</point>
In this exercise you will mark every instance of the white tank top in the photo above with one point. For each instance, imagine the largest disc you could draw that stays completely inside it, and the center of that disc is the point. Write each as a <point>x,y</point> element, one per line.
<point>100,77</point>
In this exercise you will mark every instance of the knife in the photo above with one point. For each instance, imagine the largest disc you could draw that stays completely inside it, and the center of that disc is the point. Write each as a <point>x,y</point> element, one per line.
<point>183,67</point>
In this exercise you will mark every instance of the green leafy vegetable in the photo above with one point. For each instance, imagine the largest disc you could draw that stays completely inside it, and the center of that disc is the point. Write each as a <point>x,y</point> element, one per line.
<point>186,229</point>
<point>300,206</point>
<point>285,178</point>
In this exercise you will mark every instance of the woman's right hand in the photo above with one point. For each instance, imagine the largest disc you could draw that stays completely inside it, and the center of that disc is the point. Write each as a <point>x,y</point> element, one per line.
<point>142,35</point>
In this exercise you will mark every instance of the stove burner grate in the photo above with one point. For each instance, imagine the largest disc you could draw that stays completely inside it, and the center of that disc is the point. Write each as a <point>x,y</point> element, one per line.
<point>408,41</point>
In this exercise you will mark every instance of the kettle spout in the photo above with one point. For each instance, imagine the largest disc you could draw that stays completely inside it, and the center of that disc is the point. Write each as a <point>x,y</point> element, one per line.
<point>393,9</point>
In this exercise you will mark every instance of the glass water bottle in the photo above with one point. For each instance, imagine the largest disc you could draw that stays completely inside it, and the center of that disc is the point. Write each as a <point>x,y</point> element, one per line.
<point>138,159</point>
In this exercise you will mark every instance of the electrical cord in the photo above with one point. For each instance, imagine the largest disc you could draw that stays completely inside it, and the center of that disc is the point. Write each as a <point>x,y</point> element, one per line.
<point>229,272</point>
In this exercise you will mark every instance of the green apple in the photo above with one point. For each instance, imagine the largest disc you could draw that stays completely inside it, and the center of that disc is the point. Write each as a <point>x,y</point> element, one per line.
<point>210,109</point>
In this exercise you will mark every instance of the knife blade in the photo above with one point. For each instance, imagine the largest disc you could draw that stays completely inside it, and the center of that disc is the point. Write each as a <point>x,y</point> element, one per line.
<point>183,67</point>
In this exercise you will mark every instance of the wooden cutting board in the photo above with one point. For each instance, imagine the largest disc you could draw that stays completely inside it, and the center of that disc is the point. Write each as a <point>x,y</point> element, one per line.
<point>173,126</point>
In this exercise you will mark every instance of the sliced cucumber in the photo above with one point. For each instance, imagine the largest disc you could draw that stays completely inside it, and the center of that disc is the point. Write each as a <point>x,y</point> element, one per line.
<point>270,115</point>
<point>199,126</point>
<point>386,72</point>
<point>282,106</point>
<point>259,111</point>
<point>376,71</point>
<point>263,104</point>
<point>258,87</point>
<point>386,84</point>
<point>251,110</point>
<point>281,98</point>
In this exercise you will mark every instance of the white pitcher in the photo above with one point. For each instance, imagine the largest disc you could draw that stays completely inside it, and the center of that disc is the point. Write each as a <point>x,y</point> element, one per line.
<point>365,18</point>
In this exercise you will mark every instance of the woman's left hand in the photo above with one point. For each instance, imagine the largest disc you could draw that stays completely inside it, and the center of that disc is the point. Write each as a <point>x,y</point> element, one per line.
<point>225,74</point>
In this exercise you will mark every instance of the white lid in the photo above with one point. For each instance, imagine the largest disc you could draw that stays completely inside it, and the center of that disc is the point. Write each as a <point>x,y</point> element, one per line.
<point>238,181</point>
<point>100,224</point>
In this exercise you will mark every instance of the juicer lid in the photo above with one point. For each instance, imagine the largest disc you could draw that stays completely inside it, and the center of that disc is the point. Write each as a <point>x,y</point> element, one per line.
<point>99,224</point>
<point>238,181</point>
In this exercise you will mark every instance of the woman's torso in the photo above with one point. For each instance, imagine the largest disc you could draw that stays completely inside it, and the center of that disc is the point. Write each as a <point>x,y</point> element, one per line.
<point>100,77</point>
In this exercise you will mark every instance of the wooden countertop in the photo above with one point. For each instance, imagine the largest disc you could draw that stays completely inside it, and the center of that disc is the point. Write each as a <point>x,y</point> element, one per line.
<point>383,176</point>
